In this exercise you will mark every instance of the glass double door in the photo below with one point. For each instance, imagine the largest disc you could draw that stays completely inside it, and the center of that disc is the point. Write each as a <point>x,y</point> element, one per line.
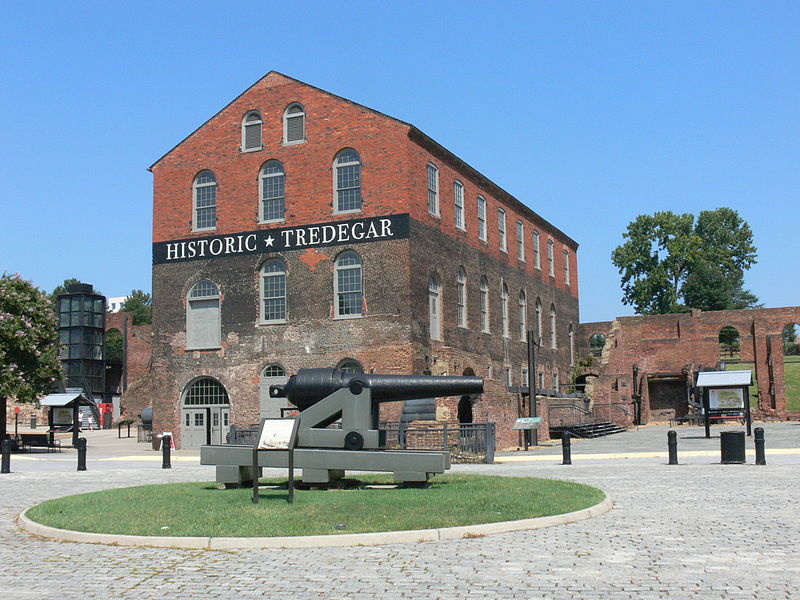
<point>204,425</point>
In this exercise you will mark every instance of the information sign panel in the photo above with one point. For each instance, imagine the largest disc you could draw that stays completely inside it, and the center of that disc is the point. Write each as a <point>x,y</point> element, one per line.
<point>726,399</point>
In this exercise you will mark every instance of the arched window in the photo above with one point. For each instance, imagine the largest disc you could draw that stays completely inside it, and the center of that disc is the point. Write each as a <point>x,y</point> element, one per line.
<point>251,131</point>
<point>484,305</point>
<point>347,181</point>
<point>458,200</point>
<point>482,218</point>
<point>269,407</point>
<point>596,343</point>
<point>348,285</point>
<point>538,308</point>
<point>434,307</point>
<point>555,382</point>
<point>523,316</point>
<point>553,336</point>
<point>273,192</point>
<point>205,201</point>
<point>537,258</point>
<point>730,344</point>
<point>350,365</point>
<point>520,241</point>
<point>204,392</point>
<point>566,268</point>
<point>501,229</point>
<point>433,189</point>
<point>504,308</point>
<point>551,268</point>
<point>461,296</point>
<point>203,322</point>
<point>273,291</point>
<point>571,334</point>
<point>294,124</point>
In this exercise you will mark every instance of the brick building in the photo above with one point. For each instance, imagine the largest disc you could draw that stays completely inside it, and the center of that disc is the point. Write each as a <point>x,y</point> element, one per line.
<point>653,361</point>
<point>296,229</point>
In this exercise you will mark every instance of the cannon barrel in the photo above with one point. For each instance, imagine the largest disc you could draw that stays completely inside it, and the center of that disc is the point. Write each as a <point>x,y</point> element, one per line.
<point>309,386</point>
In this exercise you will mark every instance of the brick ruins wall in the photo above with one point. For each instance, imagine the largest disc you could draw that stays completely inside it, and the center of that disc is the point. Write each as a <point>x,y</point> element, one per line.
<point>677,345</point>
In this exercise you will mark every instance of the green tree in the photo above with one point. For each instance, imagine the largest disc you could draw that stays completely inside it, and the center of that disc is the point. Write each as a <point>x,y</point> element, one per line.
<point>664,250</point>
<point>707,287</point>
<point>139,303</point>
<point>29,365</point>
<point>61,289</point>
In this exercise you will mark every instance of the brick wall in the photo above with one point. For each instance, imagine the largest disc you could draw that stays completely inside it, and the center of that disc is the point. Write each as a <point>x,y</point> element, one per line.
<point>679,345</point>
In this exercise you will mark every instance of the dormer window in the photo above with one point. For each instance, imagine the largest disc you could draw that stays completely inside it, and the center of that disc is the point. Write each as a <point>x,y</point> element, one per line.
<point>251,132</point>
<point>294,125</point>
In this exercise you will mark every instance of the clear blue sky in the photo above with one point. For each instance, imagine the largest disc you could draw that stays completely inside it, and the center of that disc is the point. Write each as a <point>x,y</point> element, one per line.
<point>590,113</point>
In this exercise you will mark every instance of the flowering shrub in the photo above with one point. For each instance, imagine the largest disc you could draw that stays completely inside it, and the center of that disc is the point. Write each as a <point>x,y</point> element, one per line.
<point>29,362</point>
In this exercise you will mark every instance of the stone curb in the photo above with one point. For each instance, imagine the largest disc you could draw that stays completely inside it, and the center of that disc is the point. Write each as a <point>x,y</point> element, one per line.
<point>312,541</point>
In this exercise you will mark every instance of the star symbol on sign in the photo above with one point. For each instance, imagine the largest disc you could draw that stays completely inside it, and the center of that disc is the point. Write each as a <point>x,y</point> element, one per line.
<point>269,240</point>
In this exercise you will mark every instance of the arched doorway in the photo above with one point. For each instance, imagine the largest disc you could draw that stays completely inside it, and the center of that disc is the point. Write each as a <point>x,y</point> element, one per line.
<point>465,402</point>
<point>268,407</point>
<point>206,413</point>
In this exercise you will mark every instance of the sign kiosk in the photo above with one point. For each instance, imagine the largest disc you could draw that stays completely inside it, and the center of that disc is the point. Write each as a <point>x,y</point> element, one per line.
<point>726,394</point>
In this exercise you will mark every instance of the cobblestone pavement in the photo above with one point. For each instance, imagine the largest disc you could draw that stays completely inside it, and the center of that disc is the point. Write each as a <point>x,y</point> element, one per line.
<point>697,530</point>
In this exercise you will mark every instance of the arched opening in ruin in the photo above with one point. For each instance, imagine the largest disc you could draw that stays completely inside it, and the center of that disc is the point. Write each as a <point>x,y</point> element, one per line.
<point>730,344</point>
<point>790,335</point>
<point>596,343</point>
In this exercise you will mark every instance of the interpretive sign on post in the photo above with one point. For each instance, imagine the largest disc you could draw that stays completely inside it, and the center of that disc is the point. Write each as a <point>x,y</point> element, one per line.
<point>276,434</point>
<point>527,423</point>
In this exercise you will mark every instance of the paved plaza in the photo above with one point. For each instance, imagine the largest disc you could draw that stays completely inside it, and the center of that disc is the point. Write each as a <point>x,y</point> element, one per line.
<point>696,530</point>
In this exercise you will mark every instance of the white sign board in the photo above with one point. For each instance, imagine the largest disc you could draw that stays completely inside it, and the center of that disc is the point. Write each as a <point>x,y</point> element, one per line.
<point>275,434</point>
<point>732,399</point>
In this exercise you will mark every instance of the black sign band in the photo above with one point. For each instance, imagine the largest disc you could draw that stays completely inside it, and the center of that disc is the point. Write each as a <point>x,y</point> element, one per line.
<point>318,235</point>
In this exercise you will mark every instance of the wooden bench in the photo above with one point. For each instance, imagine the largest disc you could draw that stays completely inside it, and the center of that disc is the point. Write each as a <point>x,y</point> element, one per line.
<point>38,440</point>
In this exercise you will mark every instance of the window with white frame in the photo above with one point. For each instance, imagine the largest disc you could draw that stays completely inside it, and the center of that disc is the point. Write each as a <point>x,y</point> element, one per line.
<point>541,380</point>
<point>482,218</point>
<point>348,285</point>
<point>461,296</point>
<point>537,259</point>
<point>551,268</point>
<point>270,407</point>
<point>520,241</point>
<point>501,229</point>
<point>349,365</point>
<point>508,376</point>
<point>523,379</point>
<point>555,381</point>
<point>347,181</point>
<point>203,318</point>
<point>273,291</point>
<point>205,201</point>
<point>434,307</point>
<point>566,267</point>
<point>433,190</point>
<point>294,124</point>
<point>553,336</point>
<point>538,308</point>
<point>458,201</point>
<point>571,334</point>
<point>251,132</point>
<point>504,308</point>
<point>273,192</point>
<point>484,305</point>
<point>523,316</point>
<point>490,371</point>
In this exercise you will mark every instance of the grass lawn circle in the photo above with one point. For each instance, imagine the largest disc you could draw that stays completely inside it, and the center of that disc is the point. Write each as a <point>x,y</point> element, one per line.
<point>203,511</point>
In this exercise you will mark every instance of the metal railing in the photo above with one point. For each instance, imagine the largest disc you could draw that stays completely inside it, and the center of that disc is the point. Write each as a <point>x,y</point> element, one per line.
<point>568,413</point>
<point>466,442</point>
<point>606,411</point>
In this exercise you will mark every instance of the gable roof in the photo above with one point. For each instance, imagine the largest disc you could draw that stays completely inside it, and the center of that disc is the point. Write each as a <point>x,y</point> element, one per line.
<point>414,135</point>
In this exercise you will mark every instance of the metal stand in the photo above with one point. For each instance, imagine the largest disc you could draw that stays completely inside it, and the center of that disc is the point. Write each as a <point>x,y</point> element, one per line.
<point>166,449</point>
<point>566,448</point>
<point>81,446</point>
<point>672,445</point>
<point>5,446</point>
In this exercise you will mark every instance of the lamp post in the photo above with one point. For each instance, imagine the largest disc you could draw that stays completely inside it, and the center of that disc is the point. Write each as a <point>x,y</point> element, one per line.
<point>534,434</point>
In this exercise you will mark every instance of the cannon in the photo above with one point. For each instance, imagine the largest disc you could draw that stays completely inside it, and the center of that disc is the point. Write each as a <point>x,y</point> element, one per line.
<point>325,396</point>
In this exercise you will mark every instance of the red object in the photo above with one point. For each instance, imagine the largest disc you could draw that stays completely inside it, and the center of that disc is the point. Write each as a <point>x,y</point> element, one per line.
<point>16,410</point>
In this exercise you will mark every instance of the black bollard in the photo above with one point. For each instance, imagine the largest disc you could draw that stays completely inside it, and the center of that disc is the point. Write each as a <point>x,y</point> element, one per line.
<point>166,443</point>
<point>672,445</point>
<point>81,446</point>
<point>761,456</point>
<point>5,446</point>
<point>566,448</point>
